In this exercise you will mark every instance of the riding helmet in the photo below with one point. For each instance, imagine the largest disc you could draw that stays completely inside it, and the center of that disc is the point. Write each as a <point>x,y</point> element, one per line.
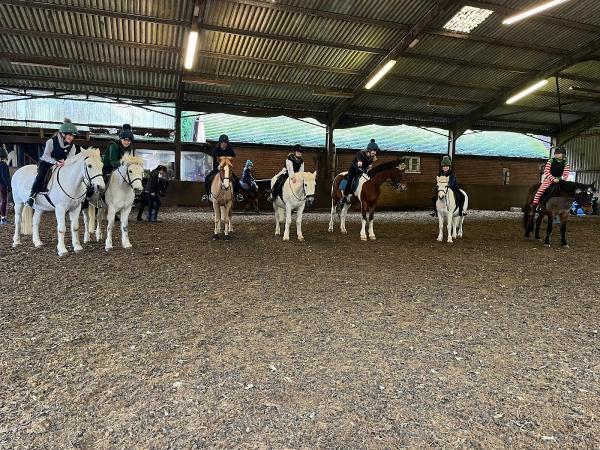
<point>126,133</point>
<point>68,128</point>
<point>3,153</point>
<point>224,138</point>
<point>298,148</point>
<point>249,163</point>
<point>446,161</point>
<point>561,149</point>
<point>372,145</point>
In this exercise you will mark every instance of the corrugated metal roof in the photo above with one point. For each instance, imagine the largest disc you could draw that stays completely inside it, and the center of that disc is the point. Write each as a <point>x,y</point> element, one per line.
<point>134,48</point>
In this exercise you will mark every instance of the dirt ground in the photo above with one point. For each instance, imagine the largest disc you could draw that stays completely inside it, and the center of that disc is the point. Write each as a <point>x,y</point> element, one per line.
<point>403,342</point>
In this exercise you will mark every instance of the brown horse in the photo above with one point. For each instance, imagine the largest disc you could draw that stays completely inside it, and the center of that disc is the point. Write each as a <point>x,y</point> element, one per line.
<point>222,196</point>
<point>367,193</point>
<point>556,202</point>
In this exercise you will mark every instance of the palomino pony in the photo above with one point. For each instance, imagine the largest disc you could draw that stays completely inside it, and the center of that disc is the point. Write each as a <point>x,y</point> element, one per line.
<point>447,208</point>
<point>67,188</point>
<point>367,193</point>
<point>556,202</point>
<point>221,192</point>
<point>294,197</point>
<point>124,184</point>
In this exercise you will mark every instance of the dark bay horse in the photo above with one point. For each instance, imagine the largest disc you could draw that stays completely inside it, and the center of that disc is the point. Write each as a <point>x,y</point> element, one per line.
<point>367,193</point>
<point>556,202</point>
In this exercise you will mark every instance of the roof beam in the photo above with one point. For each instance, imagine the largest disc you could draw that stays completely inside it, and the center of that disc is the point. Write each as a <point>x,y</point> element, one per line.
<point>567,61</point>
<point>322,13</point>
<point>468,63</point>
<point>293,39</point>
<point>433,13</point>
<point>94,40</point>
<point>573,130</point>
<point>496,41</point>
<point>93,11</point>
<point>549,20</point>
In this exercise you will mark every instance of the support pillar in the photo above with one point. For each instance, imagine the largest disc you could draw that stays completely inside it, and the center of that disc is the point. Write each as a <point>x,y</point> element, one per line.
<point>178,104</point>
<point>451,144</point>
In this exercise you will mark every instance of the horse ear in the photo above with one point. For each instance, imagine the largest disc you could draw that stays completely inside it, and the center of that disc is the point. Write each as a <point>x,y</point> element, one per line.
<point>315,173</point>
<point>578,191</point>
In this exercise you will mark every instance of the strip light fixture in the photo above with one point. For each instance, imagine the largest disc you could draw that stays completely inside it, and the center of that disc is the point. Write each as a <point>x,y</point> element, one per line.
<point>379,75</point>
<point>191,50</point>
<point>525,92</point>
<point>530,12</point>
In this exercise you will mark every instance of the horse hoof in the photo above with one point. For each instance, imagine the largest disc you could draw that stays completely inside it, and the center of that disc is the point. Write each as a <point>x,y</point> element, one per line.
<point>344,231</point>
<point>127,247</point>
<point>78,249</point>
<point>38,244</point>
<point>61,254</point>
<point>215,237</point>
<point>439,239</point>
<point>16,244</point>
<point>565,246</point>
<point>363,238</point>
<point>286,238</point>
<point>450,242</point>
<point>330,230</point>
<point>107,249</point>
<point>301,238</point>
<point>226,237</point>
<point>373,238</point>
<point>547,245</point>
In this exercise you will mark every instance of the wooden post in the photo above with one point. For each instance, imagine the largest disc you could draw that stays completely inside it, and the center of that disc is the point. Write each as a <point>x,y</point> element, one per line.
<point>451,145</point>
<point>178,104</point>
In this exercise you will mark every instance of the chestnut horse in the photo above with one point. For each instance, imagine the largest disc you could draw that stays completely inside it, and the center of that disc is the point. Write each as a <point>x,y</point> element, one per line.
<point>556,202</point>
<point>367,193</point>
<point>222,197</point>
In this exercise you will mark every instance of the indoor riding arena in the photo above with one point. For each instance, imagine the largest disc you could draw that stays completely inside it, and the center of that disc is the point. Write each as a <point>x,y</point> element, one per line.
<point>185,130</point>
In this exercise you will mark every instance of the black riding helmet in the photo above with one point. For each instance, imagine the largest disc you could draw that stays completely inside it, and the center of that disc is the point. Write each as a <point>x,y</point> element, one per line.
<point>561,149</point>
<point>224,138</point>
<point>298,148</point>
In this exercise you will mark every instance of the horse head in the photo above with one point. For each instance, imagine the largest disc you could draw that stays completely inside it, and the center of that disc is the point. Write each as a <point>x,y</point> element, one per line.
<point>132,171</point>
<point>225,166</point>
<point>309,181</point>
<point>92,168</point>
<point>442,187</point>
<point>399,178</point>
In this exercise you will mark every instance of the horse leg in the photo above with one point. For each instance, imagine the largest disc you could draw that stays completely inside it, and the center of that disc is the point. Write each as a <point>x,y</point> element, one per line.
<point>461,219</point>
<point>549,230</point>
<point>299,221</point>
<point>538,225</point>
<point>455,220</point>
<point>440,237</point>
<point>86,225</point>
<point>331,217</point>
<point>288,221</point>
<point>18,211</point>
<point>563,229</point>
<point>371,218</point>
<point>230,216</point>
<point>37,218</point>
<point>345,209</point>
<point>125,227</point>
<point>61,228</point>
<point>74,218</point>
<point>363,233</point>
<point>227,219</point>
<point>277,228</point>
<point>449,226</point>
<point>110,216</point>
<point>99,216</point>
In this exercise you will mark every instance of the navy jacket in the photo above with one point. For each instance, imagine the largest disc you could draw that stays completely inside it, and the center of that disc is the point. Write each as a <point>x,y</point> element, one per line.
<point>4,175</point>
<point>218,151</point>
<point>247,176</point>
<point>452,183</point>
<point>363,157</point>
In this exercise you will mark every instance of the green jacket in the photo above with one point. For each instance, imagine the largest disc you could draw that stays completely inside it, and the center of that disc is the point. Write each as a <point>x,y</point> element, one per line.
<point>113,154</point>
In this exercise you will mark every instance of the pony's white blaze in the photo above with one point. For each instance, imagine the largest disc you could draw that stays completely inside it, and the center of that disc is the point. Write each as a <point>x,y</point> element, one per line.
<point>125,182</point>
<point>448,211</point>
<point>66,190</point>
<point>295,196</point>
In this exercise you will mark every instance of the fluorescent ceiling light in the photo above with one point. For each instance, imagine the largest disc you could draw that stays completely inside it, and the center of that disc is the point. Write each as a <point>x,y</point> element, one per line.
<point>191,49</point>
<point>533,11</point>
<point>35,64</point>
<point>379,75</point>
<point>467,19</point>
<point>526,92</point>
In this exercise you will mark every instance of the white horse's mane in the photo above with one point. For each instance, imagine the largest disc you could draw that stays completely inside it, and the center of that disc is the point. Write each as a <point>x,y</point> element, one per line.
<point>128,160</point>
<point>90,152</point>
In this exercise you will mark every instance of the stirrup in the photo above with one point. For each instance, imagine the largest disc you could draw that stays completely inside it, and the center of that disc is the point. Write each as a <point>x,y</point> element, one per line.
<point>270,198</point>
<point>239,197</point>
<point>204,198</point>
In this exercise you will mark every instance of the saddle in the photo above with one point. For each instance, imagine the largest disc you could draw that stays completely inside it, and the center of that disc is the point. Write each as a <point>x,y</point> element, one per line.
<point>354,186</point>
<point>550,192</point>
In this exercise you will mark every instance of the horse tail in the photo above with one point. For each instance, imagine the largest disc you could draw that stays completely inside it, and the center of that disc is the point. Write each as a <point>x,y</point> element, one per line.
<point>27,221</point>
<point>92,217</point>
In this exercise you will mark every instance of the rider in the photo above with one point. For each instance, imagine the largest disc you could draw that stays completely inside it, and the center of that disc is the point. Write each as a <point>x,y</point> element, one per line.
<point>4,185</point>
<point>446,171</point>
<point>223,148</point>
<point>247,181</point>
<point>361,163</point>
<point>293,164</point>
<point>115,151</point>
<point>557,168</point>
<point>58,149</point>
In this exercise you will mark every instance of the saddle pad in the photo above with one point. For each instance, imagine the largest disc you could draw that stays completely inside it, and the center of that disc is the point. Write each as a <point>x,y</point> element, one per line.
<point>354,184</point>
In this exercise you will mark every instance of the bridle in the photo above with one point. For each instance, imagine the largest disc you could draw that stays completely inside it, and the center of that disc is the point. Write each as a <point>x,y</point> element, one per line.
<point>128,180</point>
<point>88,185</point>
<point>303,191</point>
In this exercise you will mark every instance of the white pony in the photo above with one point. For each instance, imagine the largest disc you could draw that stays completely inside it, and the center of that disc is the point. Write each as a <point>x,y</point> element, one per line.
<point>448,209</point>
<point>66,189</point>
<point>295,196</point>
<point>124,184</point>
